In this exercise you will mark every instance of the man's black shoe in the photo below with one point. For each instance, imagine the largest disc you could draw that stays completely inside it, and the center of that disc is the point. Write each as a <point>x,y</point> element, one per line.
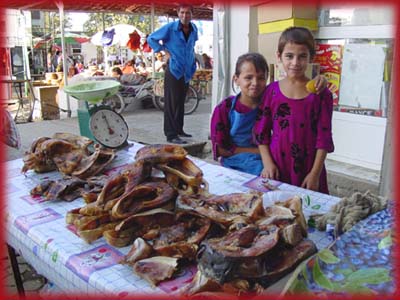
<point>184,134</point>
<point>176,140</point>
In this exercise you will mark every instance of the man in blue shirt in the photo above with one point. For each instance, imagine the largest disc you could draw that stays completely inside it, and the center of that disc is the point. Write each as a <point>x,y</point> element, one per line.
<point>177,41</point>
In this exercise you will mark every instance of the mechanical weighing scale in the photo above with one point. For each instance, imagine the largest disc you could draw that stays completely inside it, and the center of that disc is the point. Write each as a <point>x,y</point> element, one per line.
<point>96,121</point>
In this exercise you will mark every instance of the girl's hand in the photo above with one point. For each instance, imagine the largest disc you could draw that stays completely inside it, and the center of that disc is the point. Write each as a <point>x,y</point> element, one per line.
<point>311,182</point>
<point>270,172</point>
<point>320,83</point>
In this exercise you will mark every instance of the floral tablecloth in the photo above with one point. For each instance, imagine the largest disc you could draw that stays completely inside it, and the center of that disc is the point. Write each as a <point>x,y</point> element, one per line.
<point>359,261</point>
<point>38,231</point>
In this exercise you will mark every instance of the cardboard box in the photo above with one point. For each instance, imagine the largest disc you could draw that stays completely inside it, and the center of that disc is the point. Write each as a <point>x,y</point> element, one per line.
<point>48,109</point>
<point>274,11</point>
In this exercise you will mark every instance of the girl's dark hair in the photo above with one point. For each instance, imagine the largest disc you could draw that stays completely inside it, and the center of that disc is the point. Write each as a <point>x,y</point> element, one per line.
<point>297,35</point>
<point>255,58</point>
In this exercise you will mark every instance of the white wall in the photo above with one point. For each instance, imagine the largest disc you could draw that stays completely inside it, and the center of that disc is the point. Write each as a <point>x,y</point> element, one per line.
<point>358,139</point>
<point>14,34</point>
<point>239,33</point>
<point>236,32</point>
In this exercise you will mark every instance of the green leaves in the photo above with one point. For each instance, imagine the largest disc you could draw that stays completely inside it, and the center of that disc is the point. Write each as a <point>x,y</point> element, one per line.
<point>327,256</point>
<point>385,242</point>
<point>356,281</point>
<point>298,286</point>
<point>320,278</point>
<point>369,275</point>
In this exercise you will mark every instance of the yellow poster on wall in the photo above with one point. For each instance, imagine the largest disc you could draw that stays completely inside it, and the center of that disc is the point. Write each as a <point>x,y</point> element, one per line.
<point>329,57</point>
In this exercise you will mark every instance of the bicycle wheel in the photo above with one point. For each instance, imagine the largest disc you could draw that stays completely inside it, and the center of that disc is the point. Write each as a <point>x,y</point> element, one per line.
<point>158,102</point>
<point>191,101</point>
<point>116,102</point>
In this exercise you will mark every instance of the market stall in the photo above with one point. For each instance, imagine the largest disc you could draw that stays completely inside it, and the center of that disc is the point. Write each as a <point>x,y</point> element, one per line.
<point>37,229</point>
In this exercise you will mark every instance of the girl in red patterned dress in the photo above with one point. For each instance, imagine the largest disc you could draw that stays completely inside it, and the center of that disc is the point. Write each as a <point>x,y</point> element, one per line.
<point>294,132</point>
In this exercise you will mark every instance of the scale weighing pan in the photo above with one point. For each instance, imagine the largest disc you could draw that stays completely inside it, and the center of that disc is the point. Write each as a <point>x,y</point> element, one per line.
<point>93,91</point>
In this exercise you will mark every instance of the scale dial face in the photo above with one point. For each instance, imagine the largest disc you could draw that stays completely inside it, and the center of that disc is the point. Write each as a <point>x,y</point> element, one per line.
<point>109,128</point>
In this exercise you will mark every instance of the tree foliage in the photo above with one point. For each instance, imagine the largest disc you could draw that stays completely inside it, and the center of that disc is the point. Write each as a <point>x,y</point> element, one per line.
<point>52,22</point>
<point>99,21</point>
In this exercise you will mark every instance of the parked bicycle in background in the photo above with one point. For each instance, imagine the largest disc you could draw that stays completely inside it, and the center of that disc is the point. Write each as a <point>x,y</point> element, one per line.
<point>191,101</point>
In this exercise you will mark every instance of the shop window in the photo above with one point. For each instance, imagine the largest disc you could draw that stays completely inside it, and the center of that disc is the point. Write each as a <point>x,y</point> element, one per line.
<point>356,16</point>
<point>35,15</point>
<point>358,66</point>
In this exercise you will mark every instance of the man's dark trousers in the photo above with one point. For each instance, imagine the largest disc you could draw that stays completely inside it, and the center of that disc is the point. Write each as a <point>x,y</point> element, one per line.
<point>174,104</point>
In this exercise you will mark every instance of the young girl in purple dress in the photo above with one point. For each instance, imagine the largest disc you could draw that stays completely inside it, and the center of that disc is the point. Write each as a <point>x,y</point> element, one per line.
<point>294,132</point>
<point>233,118</point>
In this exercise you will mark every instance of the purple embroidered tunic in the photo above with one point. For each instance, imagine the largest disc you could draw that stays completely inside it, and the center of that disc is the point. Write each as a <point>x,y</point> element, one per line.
<point>294,129</point>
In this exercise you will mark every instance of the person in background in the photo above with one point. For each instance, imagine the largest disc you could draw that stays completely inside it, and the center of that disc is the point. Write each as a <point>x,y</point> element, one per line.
<point>79,67</point>
<point>178,40</point>
<point>127,79</point>
<point>129,67</point>
<point>294,130</point>
<point>117,61</point>
<point>199,61</point>
<point>49,61</point>
<point>207,61</point>
<point>233,119</point>
<point>57,61</point>
<point>138,60</point>
<point>116,72</point>
<point>141,69</point>
<point>159,64</point>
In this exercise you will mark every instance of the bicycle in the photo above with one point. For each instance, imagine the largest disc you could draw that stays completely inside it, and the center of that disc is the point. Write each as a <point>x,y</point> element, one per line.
<point>129,94</point>
<point>191,101</point>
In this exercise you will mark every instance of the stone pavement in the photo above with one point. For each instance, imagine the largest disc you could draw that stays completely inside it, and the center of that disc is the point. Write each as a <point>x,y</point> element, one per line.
<point>145,126</point>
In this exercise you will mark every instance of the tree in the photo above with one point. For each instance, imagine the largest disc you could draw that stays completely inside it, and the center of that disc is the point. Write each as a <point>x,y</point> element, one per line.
<point>52,22</point>
<point>99,21</point>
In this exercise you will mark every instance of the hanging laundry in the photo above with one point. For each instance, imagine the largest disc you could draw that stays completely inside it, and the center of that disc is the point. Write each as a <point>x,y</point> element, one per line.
<point>134,41</point>
<point>107,37</point>
<point>146,47</point>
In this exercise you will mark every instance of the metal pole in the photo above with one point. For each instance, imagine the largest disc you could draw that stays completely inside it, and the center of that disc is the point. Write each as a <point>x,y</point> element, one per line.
<point>152,30</point>
<point>22,23</point>
<point>60,6</point>
<point>105,49</point>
